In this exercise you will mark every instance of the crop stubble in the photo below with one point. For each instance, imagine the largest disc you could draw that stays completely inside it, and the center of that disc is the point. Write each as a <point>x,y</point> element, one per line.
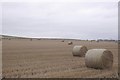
<point>51,59</point>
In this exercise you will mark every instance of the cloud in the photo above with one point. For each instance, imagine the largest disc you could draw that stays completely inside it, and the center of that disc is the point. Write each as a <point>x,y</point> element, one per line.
<point>0,18</point>
<point>59,1</point>
<point>89,20</point>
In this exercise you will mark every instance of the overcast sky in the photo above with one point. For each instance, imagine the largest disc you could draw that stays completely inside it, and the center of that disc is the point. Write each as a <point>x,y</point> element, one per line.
<point>79,20</point>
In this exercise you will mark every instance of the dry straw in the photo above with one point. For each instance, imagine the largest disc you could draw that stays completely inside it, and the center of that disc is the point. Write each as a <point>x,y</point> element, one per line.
<point>70,43</point>
<point>62,41</point>
<point>99,58</point>
<point>79,51</point>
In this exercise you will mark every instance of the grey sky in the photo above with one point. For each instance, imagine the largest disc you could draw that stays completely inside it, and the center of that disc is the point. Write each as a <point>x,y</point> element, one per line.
<point>0,18</point>
<point>81,20</point>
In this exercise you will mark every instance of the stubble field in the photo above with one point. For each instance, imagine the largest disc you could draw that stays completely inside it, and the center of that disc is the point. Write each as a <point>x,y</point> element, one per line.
<point>23,58</point>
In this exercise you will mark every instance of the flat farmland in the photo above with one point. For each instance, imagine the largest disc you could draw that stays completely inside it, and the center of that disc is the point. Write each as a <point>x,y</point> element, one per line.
<point>23,58</point>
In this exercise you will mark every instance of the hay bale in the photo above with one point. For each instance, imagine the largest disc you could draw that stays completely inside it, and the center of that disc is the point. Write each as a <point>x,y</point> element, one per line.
<point>99,58</point>
<point>39,39</point>
<point>70,43</point>
<point>62,41</point>
<point>79,51</point>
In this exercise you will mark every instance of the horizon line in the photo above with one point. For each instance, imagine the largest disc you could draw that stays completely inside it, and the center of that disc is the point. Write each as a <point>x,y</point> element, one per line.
<point>55,37</point>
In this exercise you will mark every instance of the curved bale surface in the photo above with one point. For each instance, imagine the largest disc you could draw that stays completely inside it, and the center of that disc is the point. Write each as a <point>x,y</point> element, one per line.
<point>99,59</point>
<point>70,43</point>
<point>79,51</point>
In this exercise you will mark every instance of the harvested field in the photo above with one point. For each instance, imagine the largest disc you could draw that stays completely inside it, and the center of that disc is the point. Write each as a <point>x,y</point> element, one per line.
<point>0,58</point>
<point>24,58</point>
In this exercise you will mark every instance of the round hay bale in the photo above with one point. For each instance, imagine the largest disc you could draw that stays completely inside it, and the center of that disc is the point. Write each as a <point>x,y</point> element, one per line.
<point>99,59</point>
<point>62,41</point>
<point>79,51</point>
<point>70,43</point>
